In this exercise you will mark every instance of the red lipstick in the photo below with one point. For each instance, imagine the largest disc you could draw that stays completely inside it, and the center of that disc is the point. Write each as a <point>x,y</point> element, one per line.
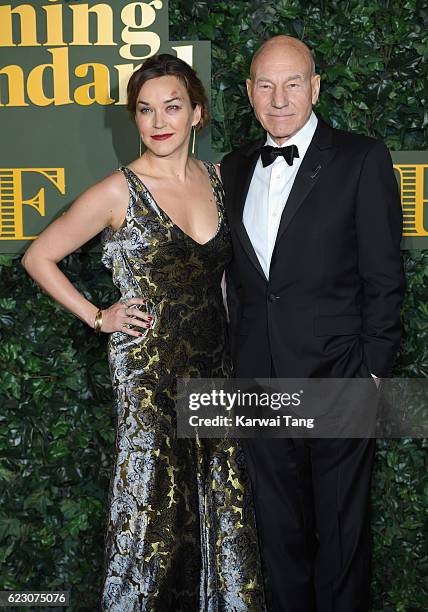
<point>162,136</point>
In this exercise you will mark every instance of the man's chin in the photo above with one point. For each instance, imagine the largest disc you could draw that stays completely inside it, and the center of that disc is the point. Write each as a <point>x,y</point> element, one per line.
<point>279,132</point>
<point>280,137</point>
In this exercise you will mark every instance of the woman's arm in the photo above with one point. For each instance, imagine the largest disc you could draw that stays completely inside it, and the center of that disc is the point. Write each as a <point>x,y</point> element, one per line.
<point>101,205</point>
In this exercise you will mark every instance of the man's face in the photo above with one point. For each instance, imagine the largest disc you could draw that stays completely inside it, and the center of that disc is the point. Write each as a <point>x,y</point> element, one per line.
<point>282,90</point>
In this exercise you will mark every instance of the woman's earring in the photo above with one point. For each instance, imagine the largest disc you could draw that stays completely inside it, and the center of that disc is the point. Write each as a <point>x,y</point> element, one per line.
<point>139,138</point>
<point>194,140</point>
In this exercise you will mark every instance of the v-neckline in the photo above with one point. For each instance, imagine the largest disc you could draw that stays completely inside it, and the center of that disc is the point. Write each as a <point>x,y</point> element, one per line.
<point>168,218</point>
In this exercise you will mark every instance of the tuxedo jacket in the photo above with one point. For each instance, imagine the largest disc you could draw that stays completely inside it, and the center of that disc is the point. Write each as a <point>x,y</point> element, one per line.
<point>331,305</point>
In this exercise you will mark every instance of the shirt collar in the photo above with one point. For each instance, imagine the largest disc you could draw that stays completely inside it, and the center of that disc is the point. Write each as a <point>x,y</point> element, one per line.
<point>302,137</point>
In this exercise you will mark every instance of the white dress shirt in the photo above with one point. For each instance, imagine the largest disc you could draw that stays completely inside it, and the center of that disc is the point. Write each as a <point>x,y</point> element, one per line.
<point>269,191</point>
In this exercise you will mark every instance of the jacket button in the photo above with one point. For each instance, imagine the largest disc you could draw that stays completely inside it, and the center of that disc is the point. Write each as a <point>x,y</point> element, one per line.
<point>272,297</point>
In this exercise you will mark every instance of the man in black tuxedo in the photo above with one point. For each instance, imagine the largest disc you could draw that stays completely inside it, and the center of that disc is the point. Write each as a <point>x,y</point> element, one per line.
<point>314,290</point>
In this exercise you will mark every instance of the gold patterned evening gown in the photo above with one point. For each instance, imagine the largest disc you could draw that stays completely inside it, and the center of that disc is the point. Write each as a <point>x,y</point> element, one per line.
<point>180,532</point>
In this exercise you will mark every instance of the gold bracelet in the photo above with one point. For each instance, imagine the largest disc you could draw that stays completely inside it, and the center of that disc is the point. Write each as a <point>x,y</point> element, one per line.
<point>98,321</point>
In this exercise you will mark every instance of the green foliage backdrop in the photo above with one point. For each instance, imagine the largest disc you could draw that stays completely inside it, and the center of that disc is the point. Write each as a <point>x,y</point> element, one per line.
<point>56,411</point>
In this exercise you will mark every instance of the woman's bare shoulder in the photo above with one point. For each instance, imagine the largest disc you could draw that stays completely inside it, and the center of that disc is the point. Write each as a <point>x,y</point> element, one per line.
<point>113,187</point>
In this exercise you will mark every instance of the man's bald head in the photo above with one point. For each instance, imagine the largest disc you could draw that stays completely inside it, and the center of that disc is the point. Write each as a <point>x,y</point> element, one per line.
<point>284,44</point>
<point>283,86</point>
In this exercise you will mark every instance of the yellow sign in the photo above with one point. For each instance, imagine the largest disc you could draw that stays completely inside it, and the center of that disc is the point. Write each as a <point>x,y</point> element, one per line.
<point>12,200</point>
<point>67,27</point>
<point>412,190</point>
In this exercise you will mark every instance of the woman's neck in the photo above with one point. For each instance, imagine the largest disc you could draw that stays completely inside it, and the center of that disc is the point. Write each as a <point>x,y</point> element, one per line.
<point>175,166</point>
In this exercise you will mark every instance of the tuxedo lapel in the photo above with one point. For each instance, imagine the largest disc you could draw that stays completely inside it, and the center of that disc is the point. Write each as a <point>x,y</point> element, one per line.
<point>243,180</point>
<point>318,156</point>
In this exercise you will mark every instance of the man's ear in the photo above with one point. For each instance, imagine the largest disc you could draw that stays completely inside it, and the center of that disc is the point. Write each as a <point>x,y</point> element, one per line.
<point>315,84</point>
<point>249,85</point>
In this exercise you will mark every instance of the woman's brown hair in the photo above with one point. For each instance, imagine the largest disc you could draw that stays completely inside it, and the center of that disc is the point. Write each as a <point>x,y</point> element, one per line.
<point>169,65</point>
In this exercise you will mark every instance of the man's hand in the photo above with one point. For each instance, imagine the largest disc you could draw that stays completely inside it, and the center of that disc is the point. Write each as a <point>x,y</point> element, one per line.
<point>377,380</point>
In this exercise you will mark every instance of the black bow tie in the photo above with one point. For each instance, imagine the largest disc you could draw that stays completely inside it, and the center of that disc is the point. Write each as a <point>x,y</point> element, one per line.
<point>269,154</point>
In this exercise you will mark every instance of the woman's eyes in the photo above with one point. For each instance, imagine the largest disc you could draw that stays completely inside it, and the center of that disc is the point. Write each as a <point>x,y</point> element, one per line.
<point>173,107</point>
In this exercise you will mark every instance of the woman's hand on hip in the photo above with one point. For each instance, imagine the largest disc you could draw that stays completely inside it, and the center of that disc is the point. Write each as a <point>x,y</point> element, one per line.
<point>121,315</point>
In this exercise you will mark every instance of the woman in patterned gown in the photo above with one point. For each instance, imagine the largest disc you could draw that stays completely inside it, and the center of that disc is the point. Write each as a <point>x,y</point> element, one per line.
<point>181,534</point>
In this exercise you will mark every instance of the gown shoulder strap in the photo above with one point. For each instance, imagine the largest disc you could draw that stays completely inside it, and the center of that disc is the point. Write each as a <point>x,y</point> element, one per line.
<point>214,177</point>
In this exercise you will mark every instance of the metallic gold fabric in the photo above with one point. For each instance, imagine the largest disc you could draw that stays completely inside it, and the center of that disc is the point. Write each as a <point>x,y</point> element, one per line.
<point>180,531</point>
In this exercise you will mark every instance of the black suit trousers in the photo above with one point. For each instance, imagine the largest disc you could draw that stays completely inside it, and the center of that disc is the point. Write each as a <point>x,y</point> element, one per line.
<point>312,506</point>
<point>311,499</point>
